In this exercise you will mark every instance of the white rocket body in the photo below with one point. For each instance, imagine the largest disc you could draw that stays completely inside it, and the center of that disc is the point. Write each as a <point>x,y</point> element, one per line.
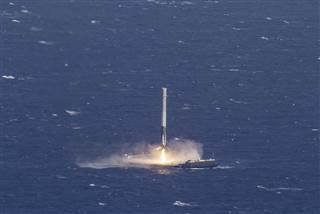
<point>164,118</point>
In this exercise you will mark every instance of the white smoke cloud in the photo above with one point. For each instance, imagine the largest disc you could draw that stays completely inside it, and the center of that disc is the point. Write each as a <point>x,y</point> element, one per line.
<point>148,155</point>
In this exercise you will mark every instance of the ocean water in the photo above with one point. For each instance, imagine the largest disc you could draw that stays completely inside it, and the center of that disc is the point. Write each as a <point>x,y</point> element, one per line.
<point>81,79</point>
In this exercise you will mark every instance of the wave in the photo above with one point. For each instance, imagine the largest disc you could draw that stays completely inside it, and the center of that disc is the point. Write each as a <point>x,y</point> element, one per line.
<point>224,167</point>
<point>8,77</point>
<point>276,189</point>
<point>184,204</point>
<point>72,113</point>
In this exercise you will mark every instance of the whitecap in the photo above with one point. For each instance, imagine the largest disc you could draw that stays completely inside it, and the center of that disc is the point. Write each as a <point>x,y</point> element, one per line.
<point>157,2</point>
<point>25,11</point>
<point>61,177</point>
<point>72,113</point>
<point>8,77</point>
<point>236,28</point>
<point>268,18</point>
<point>224,167</point>
<point>286,22</point>
<point>43,42</point>
<point>76,127</point>
<point>183,204</point>
<point>186,3</point>
<point>16,20</point>
<point>234,69</point>
<point>264,38</point>
<point>104,186</point>
<point>237,101</point>
<point>277,189</point>
<point>92,185</point>
<point>94,21</point>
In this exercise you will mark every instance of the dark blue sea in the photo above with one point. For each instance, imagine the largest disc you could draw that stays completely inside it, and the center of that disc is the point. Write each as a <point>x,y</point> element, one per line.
<point>81,79</point>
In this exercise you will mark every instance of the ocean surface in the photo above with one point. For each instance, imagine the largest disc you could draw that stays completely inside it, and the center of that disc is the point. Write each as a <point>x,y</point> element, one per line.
<point>81,80</point>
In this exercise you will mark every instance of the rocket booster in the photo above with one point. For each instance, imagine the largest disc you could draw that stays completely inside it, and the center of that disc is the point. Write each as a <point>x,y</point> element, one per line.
<point>164,118</point>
